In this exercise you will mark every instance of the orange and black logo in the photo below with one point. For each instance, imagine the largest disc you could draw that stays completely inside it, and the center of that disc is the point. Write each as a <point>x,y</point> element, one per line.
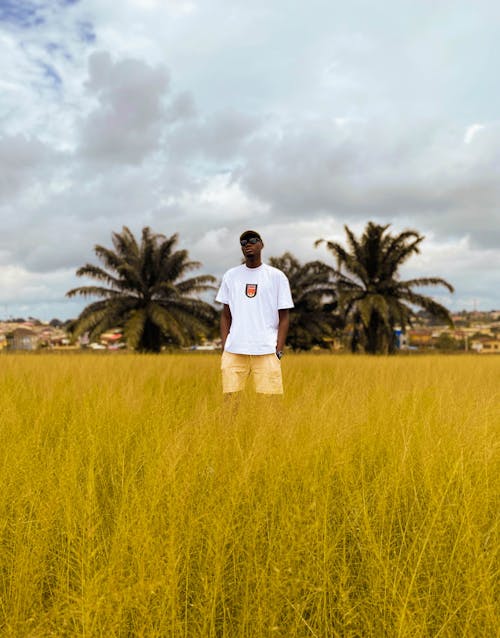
<point>251,290</point>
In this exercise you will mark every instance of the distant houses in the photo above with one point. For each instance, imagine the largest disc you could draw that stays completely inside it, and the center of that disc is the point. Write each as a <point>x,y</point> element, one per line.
<point>29,336</point>
<point>23,339</point>
<point>480,338</point>
<point>486,345</point>
<point>473,332</point>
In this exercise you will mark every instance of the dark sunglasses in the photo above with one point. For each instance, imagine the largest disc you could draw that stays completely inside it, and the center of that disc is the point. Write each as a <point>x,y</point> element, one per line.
<point>252,240</point>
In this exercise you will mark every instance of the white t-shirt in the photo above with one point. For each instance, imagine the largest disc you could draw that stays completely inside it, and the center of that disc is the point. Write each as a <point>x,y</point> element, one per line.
<point>254,296</point>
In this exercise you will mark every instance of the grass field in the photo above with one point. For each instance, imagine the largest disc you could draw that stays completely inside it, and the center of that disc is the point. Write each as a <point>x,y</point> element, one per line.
<point>365,505</point>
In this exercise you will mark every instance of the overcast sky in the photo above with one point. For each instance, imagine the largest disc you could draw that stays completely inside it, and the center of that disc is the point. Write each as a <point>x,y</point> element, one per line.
<point>208,117</point>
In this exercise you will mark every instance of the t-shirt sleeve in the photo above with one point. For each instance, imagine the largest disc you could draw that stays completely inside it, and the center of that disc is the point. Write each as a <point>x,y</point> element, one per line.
<point>284,293</point>
<point>223,294</point>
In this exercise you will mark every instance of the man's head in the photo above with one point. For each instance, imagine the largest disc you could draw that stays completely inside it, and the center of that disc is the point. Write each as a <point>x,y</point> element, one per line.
<point>250,234</point>
<point>251,246</point>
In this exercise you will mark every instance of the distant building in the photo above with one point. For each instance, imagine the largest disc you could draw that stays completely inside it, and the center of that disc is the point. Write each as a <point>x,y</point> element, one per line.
<point>24,339</point>
<point>420,337</point>
<point>401,339</point>
<point>486,346</point>
<point>112,339</point>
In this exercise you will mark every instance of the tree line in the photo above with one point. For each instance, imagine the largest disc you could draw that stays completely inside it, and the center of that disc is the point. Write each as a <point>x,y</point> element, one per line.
<point>147,289</point>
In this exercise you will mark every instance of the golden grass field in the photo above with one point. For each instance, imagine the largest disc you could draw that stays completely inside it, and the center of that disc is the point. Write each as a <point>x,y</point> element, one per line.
<point>365,505</point>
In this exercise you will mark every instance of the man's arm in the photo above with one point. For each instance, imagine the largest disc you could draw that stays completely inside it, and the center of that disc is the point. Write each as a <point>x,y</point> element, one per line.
<point>284,322</point>
<point>225,324</point>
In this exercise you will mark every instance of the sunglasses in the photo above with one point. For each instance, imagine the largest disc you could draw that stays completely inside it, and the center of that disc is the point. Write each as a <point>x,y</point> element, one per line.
<point>252,240</point>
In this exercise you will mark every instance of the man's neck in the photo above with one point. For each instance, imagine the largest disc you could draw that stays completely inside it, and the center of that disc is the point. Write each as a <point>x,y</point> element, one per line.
<point>252,263</point>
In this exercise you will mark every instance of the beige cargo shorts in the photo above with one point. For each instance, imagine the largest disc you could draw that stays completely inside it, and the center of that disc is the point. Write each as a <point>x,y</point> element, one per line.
<point>264,368</point>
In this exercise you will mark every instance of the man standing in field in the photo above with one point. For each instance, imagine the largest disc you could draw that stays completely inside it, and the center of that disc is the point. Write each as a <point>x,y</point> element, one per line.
<point>254,321</point>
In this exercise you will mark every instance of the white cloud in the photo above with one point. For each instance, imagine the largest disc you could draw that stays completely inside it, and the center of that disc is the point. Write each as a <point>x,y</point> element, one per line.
<point>472,131</point>
<point>18,283</point>
<point>459,263</point>
<point>126,125</point>
<point>219,203</point>
<point>23,163</point>
<point>205,118</point>
<point>174,6</point>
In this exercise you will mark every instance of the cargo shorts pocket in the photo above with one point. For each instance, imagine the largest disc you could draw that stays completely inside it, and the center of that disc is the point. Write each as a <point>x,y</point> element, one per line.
<point>267,374</point>
<point>235,370</point>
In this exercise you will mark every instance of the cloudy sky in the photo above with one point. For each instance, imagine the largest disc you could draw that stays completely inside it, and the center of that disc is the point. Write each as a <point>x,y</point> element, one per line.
<point>207,117</point>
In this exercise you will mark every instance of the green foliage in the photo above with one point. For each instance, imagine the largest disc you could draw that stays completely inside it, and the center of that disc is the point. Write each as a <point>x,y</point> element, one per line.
<point>314,317</point>
<point>449,343</point>
<point>145,292</point>
<point>371,296</point>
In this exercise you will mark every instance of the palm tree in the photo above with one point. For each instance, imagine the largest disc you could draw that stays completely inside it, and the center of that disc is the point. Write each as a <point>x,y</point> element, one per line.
<point>370,292</point>
<point>313,318</point>
<point>145,292</point>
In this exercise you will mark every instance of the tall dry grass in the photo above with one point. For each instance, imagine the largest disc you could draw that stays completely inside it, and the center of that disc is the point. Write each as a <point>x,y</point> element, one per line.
<point>364,505</point>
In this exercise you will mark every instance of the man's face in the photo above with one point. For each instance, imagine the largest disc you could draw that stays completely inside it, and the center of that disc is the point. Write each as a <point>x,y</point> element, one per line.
<point>251,247</point>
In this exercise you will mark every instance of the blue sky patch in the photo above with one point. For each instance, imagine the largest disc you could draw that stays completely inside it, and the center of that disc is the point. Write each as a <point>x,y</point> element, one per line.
<point>51,74</point>
<point>24,14</point>
<point>54,49</point>
<point>86,31</point>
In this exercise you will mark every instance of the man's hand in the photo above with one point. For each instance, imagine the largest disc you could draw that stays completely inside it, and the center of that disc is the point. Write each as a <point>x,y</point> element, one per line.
<point>225,324</point>
<point>284,322</point>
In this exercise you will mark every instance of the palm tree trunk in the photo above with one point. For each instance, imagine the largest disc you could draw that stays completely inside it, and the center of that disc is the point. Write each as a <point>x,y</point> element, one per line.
<point>151,338</point>
<point>392,341</point>
<point>374,342</point>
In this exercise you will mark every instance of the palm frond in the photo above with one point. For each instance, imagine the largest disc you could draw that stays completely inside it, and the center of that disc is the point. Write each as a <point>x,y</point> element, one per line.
<point>201,283</point>
<point>94,291</point>
<point>427,303</point>
<point>167,322</point>
<point>353,243</point>
<point>110,258</point>
<point>89,322</point>
<point>95,272</point>
<point>131,278</point>
<point>194,307</point>
<point>134,327</point>
<point>426,281</point>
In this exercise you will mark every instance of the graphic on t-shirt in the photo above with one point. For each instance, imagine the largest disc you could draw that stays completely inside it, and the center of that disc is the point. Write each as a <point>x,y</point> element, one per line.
<point>251,290</point>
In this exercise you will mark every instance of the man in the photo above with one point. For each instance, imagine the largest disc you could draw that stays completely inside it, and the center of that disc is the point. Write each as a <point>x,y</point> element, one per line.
<point>254,321</point>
